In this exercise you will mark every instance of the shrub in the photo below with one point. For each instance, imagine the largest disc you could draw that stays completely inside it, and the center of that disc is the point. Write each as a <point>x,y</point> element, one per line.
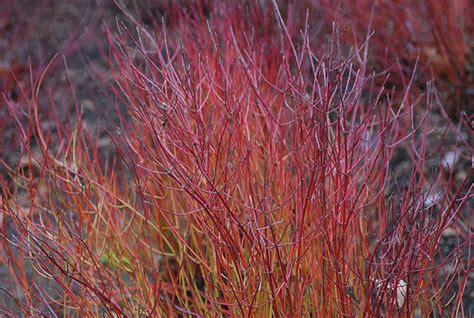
<point>254,178</point>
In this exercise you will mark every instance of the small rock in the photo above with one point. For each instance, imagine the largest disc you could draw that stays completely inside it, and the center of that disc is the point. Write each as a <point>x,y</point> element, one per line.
<point>431,199</point>
<point>449,232</point>
<point>461,176</point>
<point>88,104</point>
<point>450,159</point>
<point>104,142</point>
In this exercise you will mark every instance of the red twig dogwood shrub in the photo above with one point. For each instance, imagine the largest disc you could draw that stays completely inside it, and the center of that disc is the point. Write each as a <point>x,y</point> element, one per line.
<point>254,179</point>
